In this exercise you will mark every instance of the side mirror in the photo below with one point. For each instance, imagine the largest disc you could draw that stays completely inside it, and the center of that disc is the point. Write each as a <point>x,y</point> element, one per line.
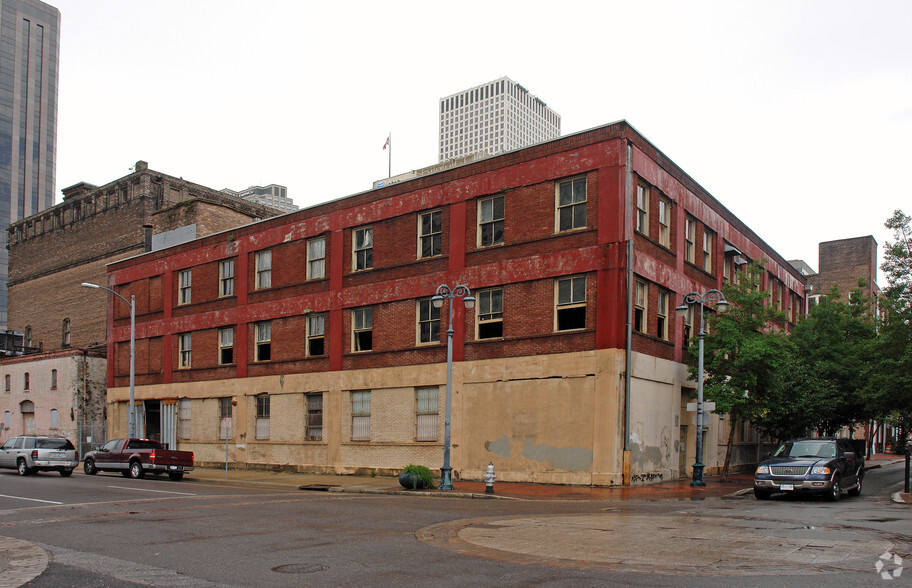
<point>849,455</point>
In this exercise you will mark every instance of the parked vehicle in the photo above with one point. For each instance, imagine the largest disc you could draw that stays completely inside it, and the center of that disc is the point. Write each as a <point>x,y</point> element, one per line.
<point>822,466</point>
<point>134,457</point>
<point>36,453</point>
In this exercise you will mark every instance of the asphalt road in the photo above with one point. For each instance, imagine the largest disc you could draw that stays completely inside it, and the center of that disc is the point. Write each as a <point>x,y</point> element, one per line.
<point>108,530</point>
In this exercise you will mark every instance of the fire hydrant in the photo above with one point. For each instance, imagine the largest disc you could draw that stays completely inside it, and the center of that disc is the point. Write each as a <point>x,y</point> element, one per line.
<point>489,478</point>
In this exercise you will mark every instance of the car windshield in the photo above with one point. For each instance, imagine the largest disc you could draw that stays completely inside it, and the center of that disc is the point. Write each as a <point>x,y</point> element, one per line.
<point>53,444</point>
<point>806,449</point>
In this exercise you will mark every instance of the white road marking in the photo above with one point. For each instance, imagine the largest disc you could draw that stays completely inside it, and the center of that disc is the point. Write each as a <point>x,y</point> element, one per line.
<point>148,490</point>
<point>32,499</point>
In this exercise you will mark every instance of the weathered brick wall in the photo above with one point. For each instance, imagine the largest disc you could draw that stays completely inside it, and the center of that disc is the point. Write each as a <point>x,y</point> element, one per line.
<point>843,262</point>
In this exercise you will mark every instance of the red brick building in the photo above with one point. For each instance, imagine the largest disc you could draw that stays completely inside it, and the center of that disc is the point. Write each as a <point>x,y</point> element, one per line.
<point>319,325</point>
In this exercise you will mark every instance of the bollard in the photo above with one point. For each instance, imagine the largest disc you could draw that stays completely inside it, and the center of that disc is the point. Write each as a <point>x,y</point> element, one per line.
<point>489,478</point>
<point>906,484</point>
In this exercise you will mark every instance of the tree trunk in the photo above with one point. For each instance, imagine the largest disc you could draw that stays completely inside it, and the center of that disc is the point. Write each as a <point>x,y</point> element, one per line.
<point>728,448</point>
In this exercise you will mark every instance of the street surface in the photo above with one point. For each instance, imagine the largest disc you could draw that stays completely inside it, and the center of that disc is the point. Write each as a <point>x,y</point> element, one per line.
<point>107,530</point>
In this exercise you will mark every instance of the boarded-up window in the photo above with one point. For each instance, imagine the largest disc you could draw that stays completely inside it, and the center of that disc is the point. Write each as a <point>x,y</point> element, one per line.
<point>428,409</point>
<point>262,417</point>
<point>314,417</point>
<point>361,414</point>
<point>183,418</point>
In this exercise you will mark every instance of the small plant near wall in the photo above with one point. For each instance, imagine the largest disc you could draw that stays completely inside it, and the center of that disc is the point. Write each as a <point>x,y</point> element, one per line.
<point>416,477</point>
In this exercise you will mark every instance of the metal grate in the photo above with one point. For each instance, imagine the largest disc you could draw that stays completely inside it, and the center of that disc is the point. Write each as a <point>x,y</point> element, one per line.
<point>789,470</point>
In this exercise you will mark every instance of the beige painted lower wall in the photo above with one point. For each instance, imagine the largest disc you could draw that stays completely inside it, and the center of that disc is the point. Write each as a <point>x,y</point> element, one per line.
<point>547,419</point>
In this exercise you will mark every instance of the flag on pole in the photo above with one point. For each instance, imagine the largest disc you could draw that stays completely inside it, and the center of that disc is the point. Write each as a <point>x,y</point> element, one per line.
<point>387,144</point>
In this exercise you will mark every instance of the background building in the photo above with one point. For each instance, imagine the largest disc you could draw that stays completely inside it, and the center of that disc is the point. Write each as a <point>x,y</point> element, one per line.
<point>493,118</point>
<point>273,196</point>
<point>843,263</point>
<point>29,37</point>
<point>325,334</point>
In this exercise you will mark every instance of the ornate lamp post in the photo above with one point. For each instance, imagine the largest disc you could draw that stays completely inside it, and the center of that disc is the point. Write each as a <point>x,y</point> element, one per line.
<point>444,292</point>
<point>710,297</point>
<point>131,412</point>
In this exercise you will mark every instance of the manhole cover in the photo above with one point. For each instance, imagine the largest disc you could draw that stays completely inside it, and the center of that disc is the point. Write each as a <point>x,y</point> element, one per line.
<point>300,568</point>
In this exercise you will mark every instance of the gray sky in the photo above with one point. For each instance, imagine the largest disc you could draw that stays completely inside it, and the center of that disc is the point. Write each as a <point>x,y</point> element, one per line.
<point>797,116</point>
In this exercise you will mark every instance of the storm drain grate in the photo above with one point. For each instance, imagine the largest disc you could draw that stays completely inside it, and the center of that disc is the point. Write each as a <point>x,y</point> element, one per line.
<point>318,487</point>
<point>300,568</point>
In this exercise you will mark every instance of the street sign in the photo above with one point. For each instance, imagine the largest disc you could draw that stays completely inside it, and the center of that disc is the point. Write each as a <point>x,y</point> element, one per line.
<point>707,406</point>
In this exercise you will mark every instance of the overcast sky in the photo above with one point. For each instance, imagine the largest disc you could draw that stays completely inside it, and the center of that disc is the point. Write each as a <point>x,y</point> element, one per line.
<point>797,116</point>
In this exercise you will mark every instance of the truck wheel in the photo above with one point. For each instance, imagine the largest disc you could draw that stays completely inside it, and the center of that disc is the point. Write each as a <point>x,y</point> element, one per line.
<point>835,492</point>
<point>88,466</point>
<point>857,489</point>
<point>176,476</point>
<point>22,467</point>
<point>136,470</point>
<point>66,473</point>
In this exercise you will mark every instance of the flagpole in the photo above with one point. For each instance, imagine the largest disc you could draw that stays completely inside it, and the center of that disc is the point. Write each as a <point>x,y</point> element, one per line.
<point>389,171</point>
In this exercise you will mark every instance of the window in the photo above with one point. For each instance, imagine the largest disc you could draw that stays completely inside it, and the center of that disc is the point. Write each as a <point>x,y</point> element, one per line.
<point>184,341</point>
<point>664,223</point>
<point>25,381</point>
<point>362,329</point>
<point>262,416</point>
<point>707,250</point>
<point>28,336</point>
<point>7,419</point>
<point>226,345</point>
<point>225,414</point>
<point>53,379</point>
<point>688,325</point>
<point>226,277</point>
<point>689,240</point>
<point>428,322</point>
<point>642,211</point>
<point>316,259</point>
<point>315,328</point>
<point>183,418</point>
<point>183,294</point>
<point>428,408</point>
<point>314,425</point>
<point>363,249</point>
<point>55,423</point>
<point>490,313</point>
<point>641,296</point>
<point>7,379</point>
<point>361,414</point>
<point>430,229</point>
<point>491,221</point>
<point>571,303</point>
<point>66,332</point>
<point>263,269</point>
<point>662,315</point>
<point>571,204</point>
<point>263,341</point>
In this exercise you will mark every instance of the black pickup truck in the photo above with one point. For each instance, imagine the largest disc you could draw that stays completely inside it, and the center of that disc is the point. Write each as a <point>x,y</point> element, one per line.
<point>822,466</point>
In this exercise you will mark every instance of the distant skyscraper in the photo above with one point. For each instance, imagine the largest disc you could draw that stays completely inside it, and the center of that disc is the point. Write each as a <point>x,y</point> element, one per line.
<point>273,196</point>
<point>29,51</point>
<point>492,118</point>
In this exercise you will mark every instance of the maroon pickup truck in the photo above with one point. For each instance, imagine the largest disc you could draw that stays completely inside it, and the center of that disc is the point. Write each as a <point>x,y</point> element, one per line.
<point>134,457</point>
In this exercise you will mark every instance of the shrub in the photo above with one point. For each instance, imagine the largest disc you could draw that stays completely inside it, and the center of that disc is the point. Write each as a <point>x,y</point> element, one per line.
<point>423,473</point>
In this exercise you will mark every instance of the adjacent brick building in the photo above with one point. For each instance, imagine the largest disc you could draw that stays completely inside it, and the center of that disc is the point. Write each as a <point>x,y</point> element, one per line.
<point>310,340</point>
<point>845,263</point>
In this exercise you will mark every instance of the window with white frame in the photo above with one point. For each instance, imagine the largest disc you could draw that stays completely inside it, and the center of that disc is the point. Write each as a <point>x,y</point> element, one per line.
<point>642,208</point>
<point>314,424</point>
<point>570,307</point>
<point>641,297</point>
<point>707,250</point>
<point>490,313</point>
<point>226,277</point>
<point>65,339</point>
<point>263,269</point>
<point>315,330</point>
<point>428,322</point>
<point>362,248</point>
<point>664,223</point>
<point>263,341</point>
<point>688,325</point>
<point>361,415</point>
<point>225,412</point>
<point>491,221</point>
<point>185,278</point>
<point>226,345</point>
<point>427,413</point>
<point>55,423</point>
<point>316,259</point>
<point>362,329</point>
<point>690,240</point>
<point>262,416</point>
<point>184,341</point>
<point>430,234</point>
<point>571,204</point>
<point>183,418</point>
<point>662,298</point>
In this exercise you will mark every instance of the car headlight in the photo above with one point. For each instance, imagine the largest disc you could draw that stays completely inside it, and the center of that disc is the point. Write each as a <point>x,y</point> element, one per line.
<point>763,469</point>
<point>820,470</point>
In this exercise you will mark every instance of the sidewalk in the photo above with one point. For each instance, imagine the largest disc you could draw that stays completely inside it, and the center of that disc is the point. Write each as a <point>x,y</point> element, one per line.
<point>738,483</point>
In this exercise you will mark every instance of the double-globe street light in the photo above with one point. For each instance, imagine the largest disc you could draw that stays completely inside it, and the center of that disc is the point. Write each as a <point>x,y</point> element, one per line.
<point>710,297</point>
<point>444,292</point>
<point>131,413</point>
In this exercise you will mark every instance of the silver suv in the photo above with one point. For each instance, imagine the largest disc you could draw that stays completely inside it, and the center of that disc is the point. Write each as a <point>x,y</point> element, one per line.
<point>37,453</point>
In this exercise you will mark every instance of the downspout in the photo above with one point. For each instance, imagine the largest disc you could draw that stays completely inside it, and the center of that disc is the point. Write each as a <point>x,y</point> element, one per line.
<point>628,351</point>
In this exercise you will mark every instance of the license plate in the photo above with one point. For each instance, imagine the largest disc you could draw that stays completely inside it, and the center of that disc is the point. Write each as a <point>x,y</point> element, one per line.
<point>786,486</point>
<point>174,467</point>
<point>58,454</point>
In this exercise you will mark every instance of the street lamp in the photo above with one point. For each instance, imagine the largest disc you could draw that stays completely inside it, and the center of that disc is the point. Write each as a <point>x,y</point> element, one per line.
<point>444,292</point>
<point>131,413</point>
<point>710,297</point>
